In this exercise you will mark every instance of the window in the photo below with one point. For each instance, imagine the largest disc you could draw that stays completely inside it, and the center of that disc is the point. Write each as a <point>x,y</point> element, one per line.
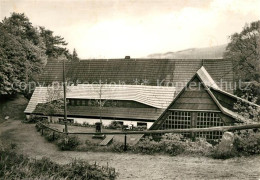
<point>184,120</point>
<point>72,102</point>
<point>209,119</point>
<point>178,120</point>
<point>78,102</point>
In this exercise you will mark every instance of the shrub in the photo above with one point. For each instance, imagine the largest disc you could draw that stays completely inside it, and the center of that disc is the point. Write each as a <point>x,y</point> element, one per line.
<point>35,119</point>
<point>117,147</point>
<point>114,125</point>
<point>13,145</point>
<point>85,124</point>
<point>218,153</point>
<point>76,124</point>
<point>51,136</point>
<point>68,142</point>
<point>37,126</point>
<point>169,144</point>
<point>147,146</point>
<point>173,143</point>
<point>14,166</point>
<point>90,146</point>
<point>248,142</point>
<point>198,147</point>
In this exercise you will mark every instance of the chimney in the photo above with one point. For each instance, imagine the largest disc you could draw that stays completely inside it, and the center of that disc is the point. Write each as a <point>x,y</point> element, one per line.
<point>127,57</point>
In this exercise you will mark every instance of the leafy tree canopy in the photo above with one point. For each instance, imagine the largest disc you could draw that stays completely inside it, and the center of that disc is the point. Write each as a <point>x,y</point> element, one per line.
<point>55,45</point>
<point>24,51</point>
<point>20,61</point>
<point>244,51</point>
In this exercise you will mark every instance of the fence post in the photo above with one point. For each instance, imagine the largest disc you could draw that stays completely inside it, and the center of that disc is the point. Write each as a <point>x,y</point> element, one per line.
<point>53,136</point>
<point>125,147</point>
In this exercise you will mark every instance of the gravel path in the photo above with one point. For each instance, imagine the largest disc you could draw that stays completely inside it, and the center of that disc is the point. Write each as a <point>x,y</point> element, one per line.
<point>133,166</point>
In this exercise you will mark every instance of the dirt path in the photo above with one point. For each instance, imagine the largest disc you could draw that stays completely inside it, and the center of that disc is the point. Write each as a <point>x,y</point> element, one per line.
<point>133,166</point>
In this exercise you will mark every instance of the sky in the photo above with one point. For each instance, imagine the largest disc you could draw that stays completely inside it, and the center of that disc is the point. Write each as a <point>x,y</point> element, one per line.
<point>116,28</point>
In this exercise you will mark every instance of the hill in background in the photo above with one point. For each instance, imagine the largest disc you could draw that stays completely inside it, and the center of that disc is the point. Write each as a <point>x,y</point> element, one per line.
<point>214,52</point>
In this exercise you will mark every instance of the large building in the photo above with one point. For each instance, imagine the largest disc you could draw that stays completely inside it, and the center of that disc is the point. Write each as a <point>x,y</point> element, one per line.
<point>133,91</point>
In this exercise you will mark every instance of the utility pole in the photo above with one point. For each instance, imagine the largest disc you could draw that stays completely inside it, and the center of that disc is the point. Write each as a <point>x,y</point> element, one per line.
<point>65,99</point>
<point>100,105</point>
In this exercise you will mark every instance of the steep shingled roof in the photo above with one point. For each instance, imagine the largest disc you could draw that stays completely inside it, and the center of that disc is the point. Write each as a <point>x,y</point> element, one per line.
<point>137,71</point>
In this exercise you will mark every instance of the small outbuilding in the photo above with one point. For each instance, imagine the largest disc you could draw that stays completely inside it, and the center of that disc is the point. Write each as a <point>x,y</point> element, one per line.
<point>201,104</point>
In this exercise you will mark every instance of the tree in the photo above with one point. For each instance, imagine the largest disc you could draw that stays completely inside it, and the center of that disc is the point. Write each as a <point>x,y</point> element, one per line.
<point>75,57</point>
<point>24,50</point>
<point>20,61</point>
<point>250,112</point>
<point>244,51</point>
<point>55,45</point>
<point>54,103</point>
<point>102,100</point>
<point>19,25</point>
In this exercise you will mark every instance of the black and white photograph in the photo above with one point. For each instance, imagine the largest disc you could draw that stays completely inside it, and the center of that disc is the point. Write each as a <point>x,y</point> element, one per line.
<point>130,89</point>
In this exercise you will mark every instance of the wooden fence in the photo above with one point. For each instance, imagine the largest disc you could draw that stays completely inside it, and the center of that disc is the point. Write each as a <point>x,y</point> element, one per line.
<point>191,130</point>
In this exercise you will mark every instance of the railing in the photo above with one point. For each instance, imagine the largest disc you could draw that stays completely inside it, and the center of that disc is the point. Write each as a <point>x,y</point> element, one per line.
<point>191,130</point>
<point>47,127</point>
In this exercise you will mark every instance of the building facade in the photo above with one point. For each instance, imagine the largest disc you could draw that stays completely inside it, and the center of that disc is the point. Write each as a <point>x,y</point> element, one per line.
<point>143,92</point>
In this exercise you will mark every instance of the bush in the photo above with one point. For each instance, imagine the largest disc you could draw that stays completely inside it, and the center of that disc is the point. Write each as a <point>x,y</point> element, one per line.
<point>85,124</point>
<point>14,166</point>
<point>51,136</point>
<point>90,146</point>
<point>13,145</point>
<point>218,153</point>
<point>68,142</point>
<point>37,126</point>
<point>198,147</point>
<point>117,147</point>
<point>248,142</point>
<point>114,125</point>
<point>64,142</point>
<point>169,144</point>
<point>35,119</point>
